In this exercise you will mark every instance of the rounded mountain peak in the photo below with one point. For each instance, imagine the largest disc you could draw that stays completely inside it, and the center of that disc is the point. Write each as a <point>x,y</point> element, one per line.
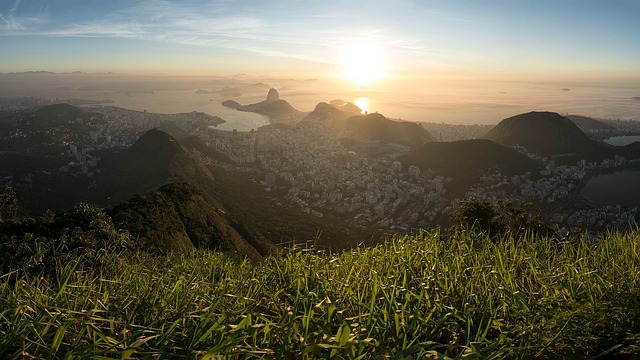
<point>534,128</point>
<point>156,141</point>
<point>273,95</point>
<point>548,134</point>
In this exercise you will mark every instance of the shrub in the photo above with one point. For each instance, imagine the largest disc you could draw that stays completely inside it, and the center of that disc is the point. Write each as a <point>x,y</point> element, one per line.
<point>498,219</point>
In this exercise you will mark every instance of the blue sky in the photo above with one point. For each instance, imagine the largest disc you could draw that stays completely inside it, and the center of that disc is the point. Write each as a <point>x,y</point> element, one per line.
<point>501,39</point>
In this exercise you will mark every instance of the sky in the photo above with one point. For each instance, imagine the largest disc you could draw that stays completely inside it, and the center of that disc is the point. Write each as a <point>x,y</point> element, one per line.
<point>563,40</point>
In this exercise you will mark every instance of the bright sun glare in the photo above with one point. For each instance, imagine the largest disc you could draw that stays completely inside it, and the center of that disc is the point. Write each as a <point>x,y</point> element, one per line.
<point>362,62</point>
<point>363,104</point>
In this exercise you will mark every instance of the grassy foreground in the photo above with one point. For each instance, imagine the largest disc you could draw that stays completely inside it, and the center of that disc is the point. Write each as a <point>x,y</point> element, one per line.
<point>412,297</point>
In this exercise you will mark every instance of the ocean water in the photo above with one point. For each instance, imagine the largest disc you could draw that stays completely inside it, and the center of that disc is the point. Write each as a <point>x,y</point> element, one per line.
<point>454,102</point>
<point>615,188</point>
<point>463,104</point>
<point>177,101</point>
<point>622,140</point>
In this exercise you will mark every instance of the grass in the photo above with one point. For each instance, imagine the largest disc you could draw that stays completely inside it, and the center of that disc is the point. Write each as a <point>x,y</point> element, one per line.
<point>412,297</point>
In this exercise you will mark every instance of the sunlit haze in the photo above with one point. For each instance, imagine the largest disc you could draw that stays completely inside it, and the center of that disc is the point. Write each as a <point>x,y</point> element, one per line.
<point>461,61</point>
<point>305,179</point>
<point>363,63</point>
<point>363,104</point>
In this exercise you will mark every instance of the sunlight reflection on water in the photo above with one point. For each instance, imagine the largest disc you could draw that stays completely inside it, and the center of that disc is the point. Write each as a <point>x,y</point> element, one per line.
<point>363,104</point>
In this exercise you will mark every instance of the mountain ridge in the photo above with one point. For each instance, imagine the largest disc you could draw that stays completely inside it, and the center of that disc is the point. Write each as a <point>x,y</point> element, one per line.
<point>466,160</point>
<point>549,134</point>
<point>377,127</point>
<point>177,217</point>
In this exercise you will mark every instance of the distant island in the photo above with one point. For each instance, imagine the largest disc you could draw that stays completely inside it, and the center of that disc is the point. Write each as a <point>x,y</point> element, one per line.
<point>273,107</point>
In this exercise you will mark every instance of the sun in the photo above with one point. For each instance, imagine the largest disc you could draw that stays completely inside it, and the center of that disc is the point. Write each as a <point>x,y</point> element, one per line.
<point>363,104</point>
<point>362,62</point>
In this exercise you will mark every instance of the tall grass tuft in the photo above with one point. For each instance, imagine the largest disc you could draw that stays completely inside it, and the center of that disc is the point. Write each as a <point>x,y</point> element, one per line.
<point>413,297</point>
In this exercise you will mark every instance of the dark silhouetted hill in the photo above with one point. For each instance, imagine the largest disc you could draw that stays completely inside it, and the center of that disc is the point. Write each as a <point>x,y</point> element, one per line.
<point>154,160</point>
<point>326,112</point>
<point>277,109</point>
<point>231,104</point>
<point>586,123</point>
<point>631,151</point>
<point>60,115</point>
<point>196,143</point>
<point>465,161</point>
<point>47,130</point>
<point>273,107</point>
<point>378,127</point>
<point>593,128</point>
<point>60,112</point>
<point>177,217</point>
<point>16,164</point>
<point>549,134</point>
<point>335,110</point>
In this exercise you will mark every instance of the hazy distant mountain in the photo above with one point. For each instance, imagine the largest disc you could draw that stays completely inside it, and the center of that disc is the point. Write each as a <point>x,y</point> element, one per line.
<point>346,106</point>
<point>367,127</point>
<point>272,106</point>
<point>378,127</point>
<point>549,134</point>
<point>272,95</point>
<point>31,72</point>
<point>327,112</point>
<point>465,161</point>
<point>279,109</point>
<point>587,123</point>
<point>593,128</point>
<point>63,115</point>
<point>44,72</point>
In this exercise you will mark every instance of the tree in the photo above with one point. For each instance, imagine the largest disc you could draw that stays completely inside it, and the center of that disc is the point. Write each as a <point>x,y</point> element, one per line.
<point>498,219</point>
<point>38,244</point>
<point>476,214</point>
<point>8,204</point>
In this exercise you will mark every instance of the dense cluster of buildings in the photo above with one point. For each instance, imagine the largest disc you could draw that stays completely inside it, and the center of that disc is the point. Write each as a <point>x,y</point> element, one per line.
<point>116,127</point>
<point>13,104</point>
<point>307,165</point>
<point>310,166</point>
<point>557,184</point>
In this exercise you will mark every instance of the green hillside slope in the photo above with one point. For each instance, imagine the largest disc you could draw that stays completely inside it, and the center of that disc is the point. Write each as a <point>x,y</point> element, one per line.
<point>423,296</point>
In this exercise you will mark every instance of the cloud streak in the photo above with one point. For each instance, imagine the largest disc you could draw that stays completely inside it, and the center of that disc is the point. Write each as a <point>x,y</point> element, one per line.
<point>413,35</point>
<point>217,24</point>
<point>16,23</point>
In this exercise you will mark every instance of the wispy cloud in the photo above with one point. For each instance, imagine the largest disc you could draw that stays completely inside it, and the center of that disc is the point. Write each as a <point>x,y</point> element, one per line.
<point>254,28</point>
<point>11,17</point>
<point>16,23</point>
